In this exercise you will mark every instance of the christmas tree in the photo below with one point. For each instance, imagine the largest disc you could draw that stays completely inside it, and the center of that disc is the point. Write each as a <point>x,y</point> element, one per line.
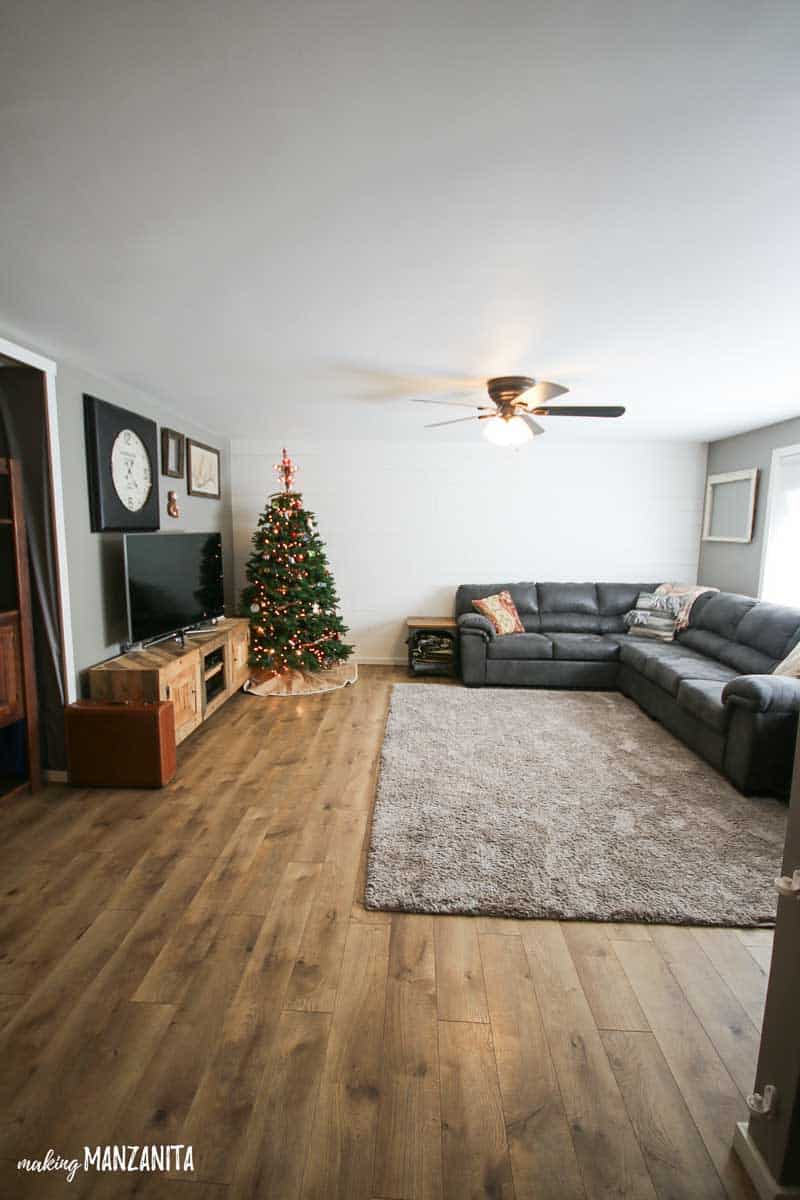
<point>290,597</point>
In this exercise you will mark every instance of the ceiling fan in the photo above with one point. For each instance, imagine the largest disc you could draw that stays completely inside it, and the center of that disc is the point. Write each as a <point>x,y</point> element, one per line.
<point>516,400</point>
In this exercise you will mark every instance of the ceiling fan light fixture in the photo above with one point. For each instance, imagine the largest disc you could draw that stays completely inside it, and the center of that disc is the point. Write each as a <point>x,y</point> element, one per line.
<point>507,431</point>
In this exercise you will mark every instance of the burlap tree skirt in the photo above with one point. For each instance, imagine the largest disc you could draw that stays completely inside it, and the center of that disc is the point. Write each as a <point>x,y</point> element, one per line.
<point>301,683</point>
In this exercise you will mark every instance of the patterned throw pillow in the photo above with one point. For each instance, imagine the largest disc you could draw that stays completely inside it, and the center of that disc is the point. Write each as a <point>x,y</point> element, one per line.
<point>790,665</point>
<point>654,616</point>
<point>501,611</point>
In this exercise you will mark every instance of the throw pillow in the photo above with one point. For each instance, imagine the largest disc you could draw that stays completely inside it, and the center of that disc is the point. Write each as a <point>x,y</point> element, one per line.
<point>501,611</point>
<point>654,616</point>
<point>790,665</point>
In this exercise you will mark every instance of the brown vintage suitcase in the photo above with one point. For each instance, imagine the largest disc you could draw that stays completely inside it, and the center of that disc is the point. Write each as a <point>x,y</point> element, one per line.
<point>120,745</point>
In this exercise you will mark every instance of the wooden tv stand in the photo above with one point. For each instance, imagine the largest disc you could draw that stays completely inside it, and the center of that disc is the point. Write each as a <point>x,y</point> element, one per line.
<point>197,677</point>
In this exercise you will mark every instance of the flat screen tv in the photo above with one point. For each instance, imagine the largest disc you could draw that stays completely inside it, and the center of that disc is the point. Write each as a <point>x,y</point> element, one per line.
<point>172,581</point>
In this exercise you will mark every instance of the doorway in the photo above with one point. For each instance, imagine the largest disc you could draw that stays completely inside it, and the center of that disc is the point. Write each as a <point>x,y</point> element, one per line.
<point>29,439</point>
<point>780,566</point>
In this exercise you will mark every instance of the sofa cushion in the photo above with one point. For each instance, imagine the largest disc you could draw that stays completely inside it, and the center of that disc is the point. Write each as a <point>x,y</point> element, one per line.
<point>745,660</point>
<point>523,595</point>
<point>584,647</point>
<point>520,646</point>
<point>640,654</point>
<point>569,608</point>
<point>568,598</point>
<point>772,629</point>
<point>703,699</point>
<point>704,642</point>
<point>615,599</point>
<point>722,613</point>
<point>669,673</point>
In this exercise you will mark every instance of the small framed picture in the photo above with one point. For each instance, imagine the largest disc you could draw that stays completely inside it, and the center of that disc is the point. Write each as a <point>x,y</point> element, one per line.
<point>172,451</point>
<point>202,470</point>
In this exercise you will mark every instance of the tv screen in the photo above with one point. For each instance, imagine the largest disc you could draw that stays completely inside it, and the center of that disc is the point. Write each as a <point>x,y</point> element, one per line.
<point>173,580</point>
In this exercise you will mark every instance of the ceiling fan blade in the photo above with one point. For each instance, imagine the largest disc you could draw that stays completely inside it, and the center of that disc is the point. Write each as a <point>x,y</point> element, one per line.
<point>453,403</point>
<point>534,426</point>
<point>562,410</point>
<point>456,421</point>
<point>540,393</point>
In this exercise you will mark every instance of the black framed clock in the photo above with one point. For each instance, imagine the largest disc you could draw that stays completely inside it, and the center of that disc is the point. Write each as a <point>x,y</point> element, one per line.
<point>122,465</point>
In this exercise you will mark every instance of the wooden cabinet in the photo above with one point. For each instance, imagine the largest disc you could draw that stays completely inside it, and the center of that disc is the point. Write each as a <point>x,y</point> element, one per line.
<point>239,650</point>
<point>182,684</point>
<point>12,700</point>
<point>197,677</point>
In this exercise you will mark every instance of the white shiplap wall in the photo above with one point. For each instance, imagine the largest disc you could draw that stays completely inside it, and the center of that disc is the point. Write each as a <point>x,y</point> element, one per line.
<point>404,524</point>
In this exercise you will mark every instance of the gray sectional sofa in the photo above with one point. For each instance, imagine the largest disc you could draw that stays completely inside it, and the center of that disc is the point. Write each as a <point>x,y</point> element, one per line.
<point>712,687</point>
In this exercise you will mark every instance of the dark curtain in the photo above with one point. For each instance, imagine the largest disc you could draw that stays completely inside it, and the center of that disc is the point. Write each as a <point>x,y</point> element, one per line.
<point>23,429</point>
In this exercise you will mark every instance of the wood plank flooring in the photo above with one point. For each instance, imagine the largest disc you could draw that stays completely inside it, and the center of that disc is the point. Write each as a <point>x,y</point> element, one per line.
<point>195,965</point>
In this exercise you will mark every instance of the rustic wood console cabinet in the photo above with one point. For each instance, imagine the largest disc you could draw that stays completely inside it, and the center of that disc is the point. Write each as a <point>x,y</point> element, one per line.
<point>197,677</point>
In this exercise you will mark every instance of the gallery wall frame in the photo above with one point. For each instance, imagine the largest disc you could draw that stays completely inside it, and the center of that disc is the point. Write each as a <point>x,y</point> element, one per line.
<point>173,451</point>
<point>202,470</point>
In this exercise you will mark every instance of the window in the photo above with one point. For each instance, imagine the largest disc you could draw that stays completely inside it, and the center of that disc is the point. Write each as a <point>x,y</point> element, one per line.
<point>780,564</point>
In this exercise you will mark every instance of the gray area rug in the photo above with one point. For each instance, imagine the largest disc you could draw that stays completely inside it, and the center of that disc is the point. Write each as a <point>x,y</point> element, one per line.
<point>568,805</point>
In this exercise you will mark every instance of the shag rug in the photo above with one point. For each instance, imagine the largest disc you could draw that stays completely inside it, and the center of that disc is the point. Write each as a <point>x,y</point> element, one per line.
<point>566,805</point>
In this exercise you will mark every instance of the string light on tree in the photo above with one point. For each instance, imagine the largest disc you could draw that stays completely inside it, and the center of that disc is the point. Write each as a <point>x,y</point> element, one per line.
<point>290,596</point>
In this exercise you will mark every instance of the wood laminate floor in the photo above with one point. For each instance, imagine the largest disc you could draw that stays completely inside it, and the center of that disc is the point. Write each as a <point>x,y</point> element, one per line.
<point>194,966</point>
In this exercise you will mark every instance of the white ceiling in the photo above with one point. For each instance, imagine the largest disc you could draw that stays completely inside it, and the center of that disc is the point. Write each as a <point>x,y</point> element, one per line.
<point>249,207</point>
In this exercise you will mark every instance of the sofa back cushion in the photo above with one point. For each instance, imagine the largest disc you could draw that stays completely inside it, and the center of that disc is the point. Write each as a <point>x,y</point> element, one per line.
<point>617,599</point>
<point>587,607</point>
<point>568,608</point>
<point>749,636</point>
<point>562,607</point>
<point>774,629</point>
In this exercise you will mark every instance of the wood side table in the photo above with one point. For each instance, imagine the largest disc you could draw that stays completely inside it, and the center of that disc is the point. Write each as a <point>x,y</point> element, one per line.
<point>432,645</point>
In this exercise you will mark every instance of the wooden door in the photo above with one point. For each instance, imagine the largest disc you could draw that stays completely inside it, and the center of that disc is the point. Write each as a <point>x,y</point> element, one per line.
<point>777,1133</point>
<point>182,684</point>
<point>240,652</point>
<point>12,703</point>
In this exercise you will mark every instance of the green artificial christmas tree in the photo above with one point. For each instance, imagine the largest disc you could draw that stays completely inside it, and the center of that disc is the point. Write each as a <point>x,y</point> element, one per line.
<point>290,596</point>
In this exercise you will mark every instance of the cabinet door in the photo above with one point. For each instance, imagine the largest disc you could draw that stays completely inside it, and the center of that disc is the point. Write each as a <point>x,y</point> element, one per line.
<point>182,685</point>
<point>11,701</point>
<point>240,652</point>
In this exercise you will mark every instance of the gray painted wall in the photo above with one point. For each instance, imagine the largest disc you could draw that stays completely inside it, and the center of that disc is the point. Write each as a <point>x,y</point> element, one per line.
<point>727,565</point>
<point>95,559</point>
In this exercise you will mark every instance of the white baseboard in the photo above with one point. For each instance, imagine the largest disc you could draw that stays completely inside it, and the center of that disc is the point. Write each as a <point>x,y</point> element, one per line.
<point>55,776</point>
<point>759,1173</point>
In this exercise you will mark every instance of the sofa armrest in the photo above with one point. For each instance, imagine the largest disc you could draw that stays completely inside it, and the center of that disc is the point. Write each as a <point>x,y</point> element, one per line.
<point>476,623</point>
<point>764,693</point>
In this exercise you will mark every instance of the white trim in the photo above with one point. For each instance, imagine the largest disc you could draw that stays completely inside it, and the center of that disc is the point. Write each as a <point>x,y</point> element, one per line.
<point>12,350</point>
<point>55,776</point>
<point>49,369</point>
<point>777,454</point>
<point>730,477</point>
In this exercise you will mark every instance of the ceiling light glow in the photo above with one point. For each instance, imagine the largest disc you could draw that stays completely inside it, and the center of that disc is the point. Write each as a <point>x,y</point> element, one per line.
<point>513,432</point>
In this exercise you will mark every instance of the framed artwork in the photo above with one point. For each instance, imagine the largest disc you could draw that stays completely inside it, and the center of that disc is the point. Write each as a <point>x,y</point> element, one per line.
<point>730,506</point>
<point>173,445</point>
<point>202,470</point>
<point>122,468</point>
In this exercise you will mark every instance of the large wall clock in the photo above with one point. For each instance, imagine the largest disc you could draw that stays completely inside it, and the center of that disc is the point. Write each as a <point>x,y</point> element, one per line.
<point>122,462</point>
